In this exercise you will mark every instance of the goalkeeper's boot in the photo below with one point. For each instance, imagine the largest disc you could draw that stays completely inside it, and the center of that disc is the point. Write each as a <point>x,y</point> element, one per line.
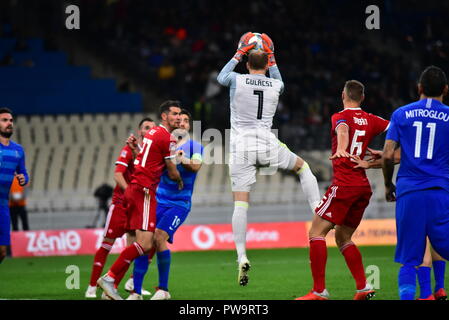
<point>365,294</point>
<point>440,294</point>
<point>244,267</point>
<point>91,292</point>
<point>313,295</point>
<point>107,284</point>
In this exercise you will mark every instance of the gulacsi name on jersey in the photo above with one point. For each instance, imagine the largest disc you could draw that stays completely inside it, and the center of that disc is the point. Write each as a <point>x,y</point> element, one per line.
<point>259,82</point>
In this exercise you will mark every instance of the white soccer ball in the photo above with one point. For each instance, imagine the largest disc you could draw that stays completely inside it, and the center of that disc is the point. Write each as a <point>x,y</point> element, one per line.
<point>258,39</point>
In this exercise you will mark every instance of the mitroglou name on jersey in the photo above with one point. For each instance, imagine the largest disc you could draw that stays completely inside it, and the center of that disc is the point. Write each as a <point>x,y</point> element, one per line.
<point>259,82</point>
<point>427,114</point>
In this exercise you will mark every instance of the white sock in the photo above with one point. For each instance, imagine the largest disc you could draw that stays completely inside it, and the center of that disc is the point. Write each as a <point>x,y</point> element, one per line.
<point>309,185</point>
<point>239,223</point>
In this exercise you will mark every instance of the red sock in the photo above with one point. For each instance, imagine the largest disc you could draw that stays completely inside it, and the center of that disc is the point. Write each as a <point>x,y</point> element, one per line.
<point>354,261</point>
<point>318,258</point>
<point>99,261</point>
<point>119,277</point>
<point>127,256</point>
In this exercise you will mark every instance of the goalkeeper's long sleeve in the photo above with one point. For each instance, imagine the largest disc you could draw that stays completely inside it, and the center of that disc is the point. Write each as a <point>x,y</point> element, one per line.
<point>226,77</point>
<point>276,74</point>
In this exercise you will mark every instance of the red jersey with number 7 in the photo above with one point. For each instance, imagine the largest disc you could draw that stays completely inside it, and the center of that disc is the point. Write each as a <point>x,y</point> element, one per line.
<point>363,127</point>
<point>158,145</point>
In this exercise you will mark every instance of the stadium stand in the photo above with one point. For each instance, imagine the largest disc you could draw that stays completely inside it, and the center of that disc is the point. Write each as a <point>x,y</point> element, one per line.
<point>70,156</point>
<point>41,82</point>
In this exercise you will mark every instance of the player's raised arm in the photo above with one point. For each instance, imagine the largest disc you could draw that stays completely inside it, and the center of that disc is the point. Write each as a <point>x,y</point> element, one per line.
<point>268,47</point>
<point>132,144</point>
<point>226,75</point>
<point>193,164</point>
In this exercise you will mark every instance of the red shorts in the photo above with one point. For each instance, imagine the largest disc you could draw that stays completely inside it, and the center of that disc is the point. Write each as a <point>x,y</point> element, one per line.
<point>141,207</point>
<point>343,205</point>
<point>116,221</point>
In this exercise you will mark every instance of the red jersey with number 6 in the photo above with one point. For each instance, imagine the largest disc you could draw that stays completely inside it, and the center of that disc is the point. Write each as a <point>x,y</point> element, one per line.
<point>158,145</point>
<point>363,127</point>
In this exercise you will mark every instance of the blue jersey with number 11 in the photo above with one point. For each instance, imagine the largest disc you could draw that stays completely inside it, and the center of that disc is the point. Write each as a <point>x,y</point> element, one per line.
<point>422,130</point>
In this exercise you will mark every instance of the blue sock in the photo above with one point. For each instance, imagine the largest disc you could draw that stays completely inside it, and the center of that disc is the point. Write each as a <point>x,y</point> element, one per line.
<point>439,270</point>
<point>425,284</point>
<point>163,266</point>
<point>407,283</point>
<point>140,269</point>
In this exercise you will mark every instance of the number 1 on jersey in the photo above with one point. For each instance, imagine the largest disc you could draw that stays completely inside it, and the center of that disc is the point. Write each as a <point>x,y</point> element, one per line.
<point>259,93</point>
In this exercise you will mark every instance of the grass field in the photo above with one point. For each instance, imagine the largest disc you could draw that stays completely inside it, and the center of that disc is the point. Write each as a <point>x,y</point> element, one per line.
<point>276,274</point>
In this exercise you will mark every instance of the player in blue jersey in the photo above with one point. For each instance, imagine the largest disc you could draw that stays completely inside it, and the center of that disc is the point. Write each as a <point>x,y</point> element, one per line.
<point>421,129</point>
<point>12,164</point>
<point>173,206</point>
<point>431,258</point>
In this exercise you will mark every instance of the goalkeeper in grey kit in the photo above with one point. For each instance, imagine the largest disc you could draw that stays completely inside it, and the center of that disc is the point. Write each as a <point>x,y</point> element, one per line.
<point>253,101</point>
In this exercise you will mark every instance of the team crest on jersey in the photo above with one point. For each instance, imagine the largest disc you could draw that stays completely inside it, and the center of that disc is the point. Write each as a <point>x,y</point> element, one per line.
<point>123,154</point>
<point>361,121</point>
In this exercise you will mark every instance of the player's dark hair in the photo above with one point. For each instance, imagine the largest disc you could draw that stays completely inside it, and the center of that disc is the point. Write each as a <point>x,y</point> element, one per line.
<point>165,106</point>
<point>144,120</point>
<point>433,81</point>
<point>6,110</point>
<point>257,60</point>
<point>186,112</point>
<point>355,90</point>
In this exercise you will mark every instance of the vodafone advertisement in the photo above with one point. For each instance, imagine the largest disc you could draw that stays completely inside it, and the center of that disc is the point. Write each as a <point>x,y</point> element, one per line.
<point>193,238</point>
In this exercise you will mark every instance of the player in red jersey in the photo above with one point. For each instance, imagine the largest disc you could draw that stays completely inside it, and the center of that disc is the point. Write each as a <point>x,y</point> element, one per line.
<point>156,154</point>
<point>116,221</point>
<point>345,201</point>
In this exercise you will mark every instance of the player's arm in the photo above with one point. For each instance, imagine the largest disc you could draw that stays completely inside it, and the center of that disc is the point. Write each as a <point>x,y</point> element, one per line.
<point>268,47</point>
<point>193,164</point>
<point>388,169</point>
<point>132,144</point>
<point>173,173</point>
<point>119,178</point>
<point>226,75</point>
<point>122,163</point>
<point>21,171</point>
<point>342,141</point>
<point>375,159</point>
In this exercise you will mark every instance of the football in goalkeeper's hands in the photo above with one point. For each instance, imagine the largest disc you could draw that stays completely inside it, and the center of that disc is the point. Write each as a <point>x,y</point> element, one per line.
<point>257,38</point>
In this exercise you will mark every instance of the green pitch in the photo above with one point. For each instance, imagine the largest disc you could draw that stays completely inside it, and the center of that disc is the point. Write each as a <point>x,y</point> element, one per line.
<point>211,275</point>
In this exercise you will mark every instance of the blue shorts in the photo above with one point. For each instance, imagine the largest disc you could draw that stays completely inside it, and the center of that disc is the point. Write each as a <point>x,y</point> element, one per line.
<point>170,218</point>
<point>5,226</point>
<point>421,214</point>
